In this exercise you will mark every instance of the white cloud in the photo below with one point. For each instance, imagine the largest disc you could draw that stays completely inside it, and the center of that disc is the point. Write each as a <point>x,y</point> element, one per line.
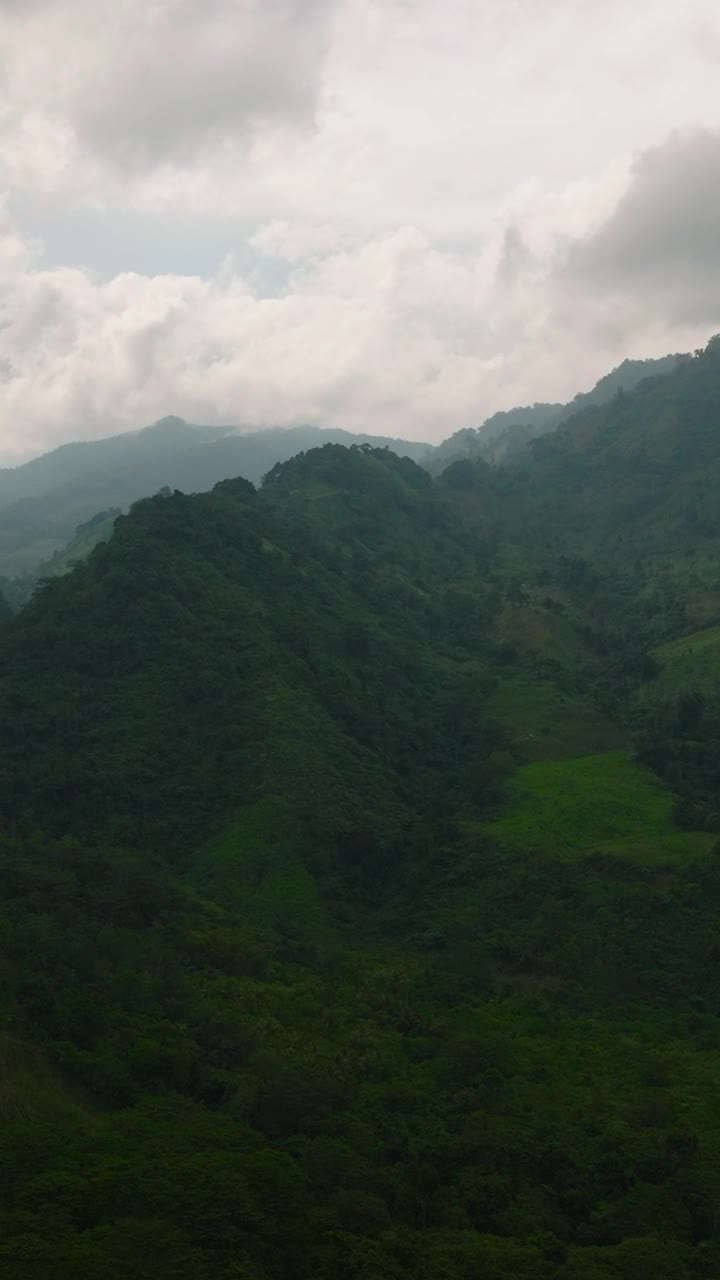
<point>393,333</point>
<point>295,241</point>
<point>135,87</point>
<point>661,245</point>
<point>448,188</point>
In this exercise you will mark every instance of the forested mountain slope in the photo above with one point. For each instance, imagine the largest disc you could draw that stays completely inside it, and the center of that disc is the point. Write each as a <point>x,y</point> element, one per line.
<point>87,536</point>
<point>343,931</point>
<point>299,603</point>
<point>641,471</point>
<point>42,501</point>
<point>50,507</point>
<point>502,435</point>
<point>626,496</point>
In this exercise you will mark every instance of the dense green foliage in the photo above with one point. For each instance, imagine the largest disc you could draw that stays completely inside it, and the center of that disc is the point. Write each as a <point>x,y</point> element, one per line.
<point>43,501</point>
<point>637,476</point>
<point>86,536</point>
<point>49,507</point>
<point>502,435</point>
<point>358,874</point>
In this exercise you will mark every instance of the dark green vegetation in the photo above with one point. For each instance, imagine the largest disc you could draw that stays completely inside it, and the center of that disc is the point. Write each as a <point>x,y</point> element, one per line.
<point>42,502</point>
<point>54,509</point>
<point>503,435</point>
<point>86,536</point>
<point>358,872</point>
<point>51,507</point>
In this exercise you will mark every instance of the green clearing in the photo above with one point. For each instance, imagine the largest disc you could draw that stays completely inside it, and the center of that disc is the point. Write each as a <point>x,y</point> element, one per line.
<point>692,662</point>
<point>544,723</point>
<point>533,630</point>
<point>596,803</point>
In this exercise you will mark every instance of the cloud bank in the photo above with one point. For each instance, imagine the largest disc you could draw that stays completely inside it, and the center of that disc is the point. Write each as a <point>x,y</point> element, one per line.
<point>424,211</point>
<point>391,333</point>
<point>133,86</point>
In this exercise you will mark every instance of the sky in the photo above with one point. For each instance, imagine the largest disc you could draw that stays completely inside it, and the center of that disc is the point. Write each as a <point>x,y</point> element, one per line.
<point>394,216</point>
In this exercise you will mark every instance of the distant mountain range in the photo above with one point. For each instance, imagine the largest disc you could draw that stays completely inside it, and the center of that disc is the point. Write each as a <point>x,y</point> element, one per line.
<point>43,501</point>
<point>54,508</point>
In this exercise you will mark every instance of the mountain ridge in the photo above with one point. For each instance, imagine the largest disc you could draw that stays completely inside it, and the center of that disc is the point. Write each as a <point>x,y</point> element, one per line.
<point>351,923</point>
<point>43,501</point>
<point>500,436</point>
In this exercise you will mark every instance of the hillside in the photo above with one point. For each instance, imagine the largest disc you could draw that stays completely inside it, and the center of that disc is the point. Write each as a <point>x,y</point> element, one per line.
<point>43,501</point>
<point>344,933</point>
<point>50,508</point>
<point>48,505</point>
<point>639,472</point>
<point>621,501</point>
<point>87,536</point>
<point>504,434</point>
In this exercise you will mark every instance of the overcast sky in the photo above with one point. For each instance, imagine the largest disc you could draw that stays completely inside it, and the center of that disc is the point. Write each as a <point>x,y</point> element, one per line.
<point>385,215</point>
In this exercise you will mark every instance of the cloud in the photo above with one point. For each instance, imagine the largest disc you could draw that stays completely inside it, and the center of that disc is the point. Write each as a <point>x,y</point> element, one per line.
<point>383,111</point>
<point>136,86</point>
<point>433,207</point>
<point>295,241</point>
<point>374,336</point>
<point>393,333</point>
<point>661,246</point>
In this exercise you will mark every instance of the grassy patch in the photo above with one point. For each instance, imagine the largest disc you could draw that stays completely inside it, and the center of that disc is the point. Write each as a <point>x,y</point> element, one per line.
<point>531,629</point>
<point>596,803</point>
<point>546,724</point>
<point>691,662</point>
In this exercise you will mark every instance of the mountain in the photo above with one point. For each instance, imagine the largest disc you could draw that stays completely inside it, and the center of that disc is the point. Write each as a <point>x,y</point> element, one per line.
<point>349,924</point>
<point>639,471</point>
<point>503,434</point>
<point>228,556</point>
<point>87,535</point>
<point>43,501</point>
<point>49,507</point>
<point>622,500</point>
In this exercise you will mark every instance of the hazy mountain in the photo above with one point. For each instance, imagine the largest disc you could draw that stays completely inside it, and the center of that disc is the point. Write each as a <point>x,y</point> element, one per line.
<point>642,471</point>
<point>43,501</point>
<point>87,535</point>
<point>501,435</point>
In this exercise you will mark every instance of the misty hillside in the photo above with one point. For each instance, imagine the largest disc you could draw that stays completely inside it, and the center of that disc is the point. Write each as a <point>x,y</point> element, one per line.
<point>642,471</point>
<point>503,434</point>
<point>43,501</point>
<point>51,508</point>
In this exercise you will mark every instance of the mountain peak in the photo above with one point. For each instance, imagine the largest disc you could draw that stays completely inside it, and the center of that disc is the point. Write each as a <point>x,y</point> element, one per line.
<point>169,424</point>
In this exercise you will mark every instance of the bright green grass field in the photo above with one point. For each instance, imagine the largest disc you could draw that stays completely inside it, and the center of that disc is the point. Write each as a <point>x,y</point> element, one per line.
<point>597,803</point>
